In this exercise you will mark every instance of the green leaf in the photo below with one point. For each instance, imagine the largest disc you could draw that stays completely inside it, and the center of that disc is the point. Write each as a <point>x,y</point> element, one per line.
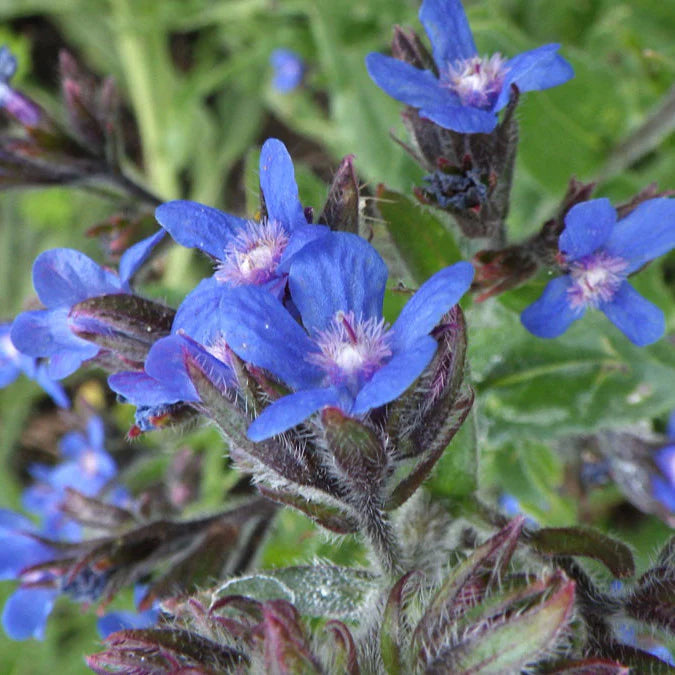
<point>316,590</point>
<point>420,238</point>
<point>589,378</point>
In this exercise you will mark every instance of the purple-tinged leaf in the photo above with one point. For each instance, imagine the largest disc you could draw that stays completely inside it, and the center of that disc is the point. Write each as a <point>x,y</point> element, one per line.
<point>393,629</point>
<point>341,211</point>
<point>344,653</point>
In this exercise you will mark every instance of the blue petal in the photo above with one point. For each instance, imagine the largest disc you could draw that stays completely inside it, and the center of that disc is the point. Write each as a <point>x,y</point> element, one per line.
<point>448,29</point>
<point>664,492</point>
<point>463,119</point>
<point>141,389</point>
<point>394,378</point>
<point>587,227</point>
<point>551,315</point>
<point>137,254</point>
<point>96,432</point>
<point>73,444</point>
<point>288,70</point>
<point>340,272</point>
<point>260,330</point>
<point>18,552</point>
<point>166,363</point>
<point>434,298</point>
<point>8,373</point>
<point>301,237</point>
<point>277,182</point>
<point>54,389</point>
<point>539,68</point>
<point>405,83</point>
<point>11,520</point>
<point>26,611</point>
<point>645,233</point>
<point>111,623</point>
<point>201,313</point>
<point>63,276</point>
<point>198,226</point>
<point>64,363</point>
<point>46,333</point>
<point>291,410</point>
<point>665,460</point>
<point>638,319</point>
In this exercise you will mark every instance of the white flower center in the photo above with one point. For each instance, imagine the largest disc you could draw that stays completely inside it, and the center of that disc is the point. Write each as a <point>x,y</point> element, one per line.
<point>477,81</point>
<point>596,279</point>
<point>352,350</point>
<point>254,255</point>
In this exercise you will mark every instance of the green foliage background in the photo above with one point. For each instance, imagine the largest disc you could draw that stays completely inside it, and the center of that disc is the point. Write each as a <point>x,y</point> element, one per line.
<point>196,75</point>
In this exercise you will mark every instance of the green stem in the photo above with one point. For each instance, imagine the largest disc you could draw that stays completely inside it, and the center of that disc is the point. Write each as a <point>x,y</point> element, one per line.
<point>138,46</point>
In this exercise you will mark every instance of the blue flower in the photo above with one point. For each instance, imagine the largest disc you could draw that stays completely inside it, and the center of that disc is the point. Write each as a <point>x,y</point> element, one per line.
<point>26,610</point>
<point>24,110</point>
<point>197,335</point>
<point>63,277</point>
<point>345,356</point>
<point>468,91</point>
<point>289,70</point>
<point>13,363</point>
<point>600,253</point>
<point>87,468</point>
<point>248,252</point>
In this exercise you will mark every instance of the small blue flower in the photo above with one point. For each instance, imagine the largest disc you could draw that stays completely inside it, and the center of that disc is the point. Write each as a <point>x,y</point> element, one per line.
<point>13,363</point>
<point>600,253</point>
<point>469,90</point>
<point>248,252</point>
<point>24,110</point>
<point>197,334</point>
<point>289,70</point>
<point>63,277</point>
<point>346,356</point>
<point>87,468</point>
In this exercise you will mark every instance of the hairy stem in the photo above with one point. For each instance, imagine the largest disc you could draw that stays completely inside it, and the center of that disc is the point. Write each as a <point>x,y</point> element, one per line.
<point>377,529</point>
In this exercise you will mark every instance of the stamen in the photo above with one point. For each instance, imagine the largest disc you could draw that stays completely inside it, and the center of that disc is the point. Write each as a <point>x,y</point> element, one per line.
<point>596,279</point>
<point>351,351</point>
<point>477,81</point>
<point>254,255</point>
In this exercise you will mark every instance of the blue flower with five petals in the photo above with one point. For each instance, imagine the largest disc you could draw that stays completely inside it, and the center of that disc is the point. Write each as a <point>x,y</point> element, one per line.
<point>345,355</point>
<point>467,91</point>
<point>248,252</point>
<point>600,252</point>
<point>62,277</point>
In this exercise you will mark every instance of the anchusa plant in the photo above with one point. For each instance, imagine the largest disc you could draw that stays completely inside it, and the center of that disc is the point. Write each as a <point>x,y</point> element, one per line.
<point>357,378</point>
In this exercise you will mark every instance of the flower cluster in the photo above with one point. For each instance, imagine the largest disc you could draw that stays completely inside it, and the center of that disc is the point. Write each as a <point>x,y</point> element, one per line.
<point>31,552</point>
<point>330,401</point>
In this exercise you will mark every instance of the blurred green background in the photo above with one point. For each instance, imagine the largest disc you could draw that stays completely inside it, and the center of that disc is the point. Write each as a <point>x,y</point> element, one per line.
<point>195,76</point>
